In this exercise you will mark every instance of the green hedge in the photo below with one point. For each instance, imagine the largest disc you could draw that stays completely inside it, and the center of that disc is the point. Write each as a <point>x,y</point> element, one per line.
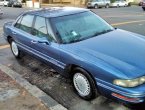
<point>112,1</point>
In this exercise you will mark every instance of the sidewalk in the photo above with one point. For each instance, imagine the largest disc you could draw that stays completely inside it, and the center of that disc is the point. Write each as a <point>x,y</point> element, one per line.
<point>16,93</point>
<point>14,97</point>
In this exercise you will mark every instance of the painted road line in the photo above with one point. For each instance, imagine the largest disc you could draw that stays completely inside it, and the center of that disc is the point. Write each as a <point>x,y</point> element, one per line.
<point>4,46</point>
<point>120,16</point>
<point>129,22</point>
<point>118,11</point>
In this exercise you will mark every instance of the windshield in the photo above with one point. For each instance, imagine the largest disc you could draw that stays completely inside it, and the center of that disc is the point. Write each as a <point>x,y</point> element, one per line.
<point>80,26</point>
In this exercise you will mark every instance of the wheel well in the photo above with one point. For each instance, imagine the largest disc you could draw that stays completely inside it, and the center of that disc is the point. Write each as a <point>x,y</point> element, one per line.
<point>72,67</point>
<point>8,38</point>
<point>96,5</point>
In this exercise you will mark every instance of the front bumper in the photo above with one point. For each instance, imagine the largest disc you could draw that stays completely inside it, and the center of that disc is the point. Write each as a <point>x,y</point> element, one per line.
<point>126,95</point>
<point>113,5</point>
<point>89,5</point>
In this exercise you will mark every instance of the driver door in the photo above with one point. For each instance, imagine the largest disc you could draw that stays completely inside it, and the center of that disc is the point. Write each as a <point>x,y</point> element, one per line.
<point>43,44</point>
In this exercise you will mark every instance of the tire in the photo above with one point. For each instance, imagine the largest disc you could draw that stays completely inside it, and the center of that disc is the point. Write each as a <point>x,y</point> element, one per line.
<point>96,6</point>
<point>143,9</point>
<point>83,84</point>
<point>107,6</point>
<point>15,50</point>
<point>117,5</point>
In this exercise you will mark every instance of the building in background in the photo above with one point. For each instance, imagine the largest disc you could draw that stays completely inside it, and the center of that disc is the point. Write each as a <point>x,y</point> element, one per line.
<point>72,2</point>
<point>69,2</point>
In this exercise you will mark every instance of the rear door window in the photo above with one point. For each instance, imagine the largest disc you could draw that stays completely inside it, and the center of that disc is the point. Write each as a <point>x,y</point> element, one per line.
<point>26,23</point>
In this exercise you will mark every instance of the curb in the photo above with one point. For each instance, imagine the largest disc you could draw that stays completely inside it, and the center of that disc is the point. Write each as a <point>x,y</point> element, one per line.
<point>33,90</point>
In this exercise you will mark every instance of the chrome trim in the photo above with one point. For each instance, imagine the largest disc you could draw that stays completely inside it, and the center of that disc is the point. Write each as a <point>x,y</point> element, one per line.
<point>46,57</point>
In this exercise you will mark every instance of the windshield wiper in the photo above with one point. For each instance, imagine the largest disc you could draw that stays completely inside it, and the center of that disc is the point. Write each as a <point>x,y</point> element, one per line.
<point>103,32</point>
<point>76,40</point>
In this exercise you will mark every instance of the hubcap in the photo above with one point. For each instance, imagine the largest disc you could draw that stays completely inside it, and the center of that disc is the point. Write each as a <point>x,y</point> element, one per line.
<point>15,48</point>
<point>96,6</point>
<point>81,84</point>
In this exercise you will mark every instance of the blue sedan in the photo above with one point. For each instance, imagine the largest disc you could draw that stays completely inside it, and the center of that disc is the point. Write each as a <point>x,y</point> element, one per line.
<point>82,46</point>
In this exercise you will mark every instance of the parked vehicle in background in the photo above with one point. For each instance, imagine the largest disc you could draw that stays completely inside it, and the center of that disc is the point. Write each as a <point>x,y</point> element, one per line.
<point>13,3</point>
<point>140,3</point>
<point>143,5</point>
<point>5,3</point>
<point>1,12</point>
<point>119,3</point>
<point>1,2</point>
<point>129,2</point>
<point>98,3</point>
<point>17,4</point>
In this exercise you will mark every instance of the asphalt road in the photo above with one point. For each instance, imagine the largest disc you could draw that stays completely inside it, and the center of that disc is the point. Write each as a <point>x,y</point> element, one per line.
<point>127,18</point>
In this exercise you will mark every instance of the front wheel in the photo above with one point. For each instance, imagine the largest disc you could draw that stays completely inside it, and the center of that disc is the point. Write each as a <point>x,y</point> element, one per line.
<point>125,5</point>
<point>84,84</point>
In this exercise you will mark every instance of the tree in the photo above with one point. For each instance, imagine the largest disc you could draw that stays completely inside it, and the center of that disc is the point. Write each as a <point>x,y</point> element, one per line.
<point>112,1</point>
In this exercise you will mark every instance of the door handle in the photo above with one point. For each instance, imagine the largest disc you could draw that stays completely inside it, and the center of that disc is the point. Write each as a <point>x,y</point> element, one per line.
<point>34,42</point>
<point>14,33</point>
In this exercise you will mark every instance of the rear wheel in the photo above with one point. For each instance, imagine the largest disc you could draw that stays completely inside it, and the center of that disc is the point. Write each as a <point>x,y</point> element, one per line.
<point>107,6</point>
<point>143,9</point>
<point>15,50</point>
<point>117,5</point>
<point>84,84</point>
<point>96,6</point>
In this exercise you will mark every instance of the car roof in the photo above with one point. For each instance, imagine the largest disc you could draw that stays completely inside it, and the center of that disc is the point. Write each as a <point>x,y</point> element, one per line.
<point>56,11</point>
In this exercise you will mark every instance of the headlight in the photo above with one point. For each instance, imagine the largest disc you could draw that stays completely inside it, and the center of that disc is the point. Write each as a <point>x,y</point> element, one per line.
<point>130,83</point>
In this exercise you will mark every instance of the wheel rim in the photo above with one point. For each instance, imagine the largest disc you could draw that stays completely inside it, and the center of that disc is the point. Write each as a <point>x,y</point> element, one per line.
<point>15,48</point>
<point>81,84</point>
<point>96,6</point>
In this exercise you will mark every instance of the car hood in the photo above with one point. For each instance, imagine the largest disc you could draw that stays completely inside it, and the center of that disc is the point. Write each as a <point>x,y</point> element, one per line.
<point>120,49</point>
